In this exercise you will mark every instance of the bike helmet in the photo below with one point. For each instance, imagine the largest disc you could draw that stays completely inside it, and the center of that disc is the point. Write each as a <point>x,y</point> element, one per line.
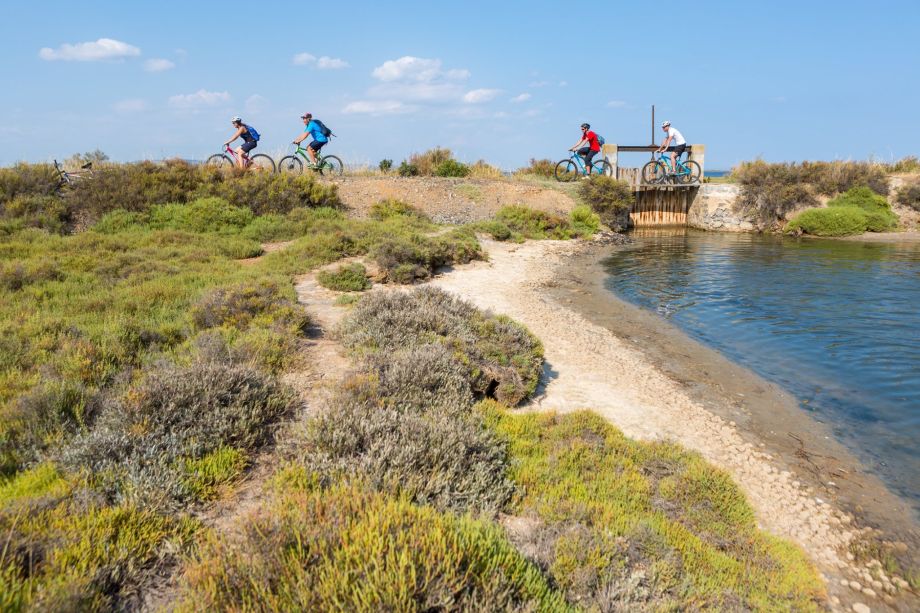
<point>586,126</point>
<point>665,124</point>
<point>306,116</point>
<point>236,120</point>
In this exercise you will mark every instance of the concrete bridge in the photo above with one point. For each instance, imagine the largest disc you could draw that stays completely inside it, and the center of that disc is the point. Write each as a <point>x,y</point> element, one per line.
<point>656,205</point>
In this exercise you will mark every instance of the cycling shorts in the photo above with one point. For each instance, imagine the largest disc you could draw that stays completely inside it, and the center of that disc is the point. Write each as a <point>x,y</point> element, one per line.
<point>678,149</point>
<point>588,154</point>
<point>248,146</point>
<point>316,146</point>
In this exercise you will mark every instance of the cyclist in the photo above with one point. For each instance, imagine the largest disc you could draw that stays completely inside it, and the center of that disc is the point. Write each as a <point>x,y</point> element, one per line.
<point>311,128</point>
<point>674,143</point>
<point>588,146</point>
<point>249,141</point>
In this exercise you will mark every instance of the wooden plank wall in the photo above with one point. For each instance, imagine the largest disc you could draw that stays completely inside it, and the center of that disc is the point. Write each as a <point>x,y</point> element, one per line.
<point>662,207</point>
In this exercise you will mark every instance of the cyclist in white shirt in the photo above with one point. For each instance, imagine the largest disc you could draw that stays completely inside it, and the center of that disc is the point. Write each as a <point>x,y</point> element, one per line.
<point>674,143</point>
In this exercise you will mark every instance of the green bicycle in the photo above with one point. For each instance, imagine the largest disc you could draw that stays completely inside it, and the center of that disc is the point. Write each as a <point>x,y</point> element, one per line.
<point>294,165</point>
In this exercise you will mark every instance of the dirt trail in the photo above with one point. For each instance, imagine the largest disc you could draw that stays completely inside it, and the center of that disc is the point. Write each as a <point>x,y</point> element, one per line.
<point>589,367</point>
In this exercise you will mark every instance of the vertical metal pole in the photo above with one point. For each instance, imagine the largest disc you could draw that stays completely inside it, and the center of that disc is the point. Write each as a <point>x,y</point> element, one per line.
<point>653,129</point>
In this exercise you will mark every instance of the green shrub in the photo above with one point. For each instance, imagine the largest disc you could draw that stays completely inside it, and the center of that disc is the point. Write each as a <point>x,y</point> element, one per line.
<point>909,195</point>
<point>609,198</point>
<point>534,224</point>
<point>642,526</point>
<point>385,165</point>
<point>540,168</point>
<point>404,426</point>
<point>139,447</point>
<point>497,230</point>
<point>240,306</point>
<point>585,222</point>
<point>28,180</point>
<point>880,221</point>
<point>408,170</point>
<point>82,556</point>
<point>406,258</point>
<point>204,477</point>
<point>201,215</point>
<point>452,168</point>
<point>831,178</point>
<point>37,211</point>
<point>390,207</point>
<point>501,357</point>
<point>910,163</point>
<point>879,217</point>
<point>834,221</point>
<point>306,551</point>
<point>483,170</point>
<point>427,163</point>
<point>349,278</point>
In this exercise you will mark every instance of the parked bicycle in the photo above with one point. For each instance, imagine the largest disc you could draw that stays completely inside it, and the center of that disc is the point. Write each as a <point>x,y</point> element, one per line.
<point>294,165</point>
<point>67,179</point>
<point>659,171</point>
<point>572,168</point>
<point>258,162</point>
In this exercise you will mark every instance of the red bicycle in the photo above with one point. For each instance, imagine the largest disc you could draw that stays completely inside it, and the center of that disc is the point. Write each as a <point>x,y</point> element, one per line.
<point>228,159</point>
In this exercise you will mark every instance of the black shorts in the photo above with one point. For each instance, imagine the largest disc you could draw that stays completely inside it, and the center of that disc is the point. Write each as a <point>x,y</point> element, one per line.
<point>248,146</point>
<point>678,149</point>
<point>316,146</point>
<point>586,153</point>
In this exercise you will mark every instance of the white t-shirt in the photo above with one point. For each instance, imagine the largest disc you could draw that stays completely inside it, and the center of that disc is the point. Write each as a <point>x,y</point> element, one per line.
<point>676,137</point>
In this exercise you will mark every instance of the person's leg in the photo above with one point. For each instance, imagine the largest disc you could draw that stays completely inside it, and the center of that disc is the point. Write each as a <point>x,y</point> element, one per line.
<point>673,161</point>
<point>589,159</point>
<point>584,152</point>
<point>240,157</point>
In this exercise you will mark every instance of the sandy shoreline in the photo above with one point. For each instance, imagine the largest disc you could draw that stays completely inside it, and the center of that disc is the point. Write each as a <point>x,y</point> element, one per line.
<point>637,371</point>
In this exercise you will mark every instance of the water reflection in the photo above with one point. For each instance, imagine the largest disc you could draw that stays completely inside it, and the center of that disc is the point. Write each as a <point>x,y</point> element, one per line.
<point>836,323</point>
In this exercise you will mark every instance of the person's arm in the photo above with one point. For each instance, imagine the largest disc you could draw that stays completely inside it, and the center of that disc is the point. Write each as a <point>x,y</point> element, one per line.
<point>664,144</point>
<point>235,136</point>
<point>578,144</point>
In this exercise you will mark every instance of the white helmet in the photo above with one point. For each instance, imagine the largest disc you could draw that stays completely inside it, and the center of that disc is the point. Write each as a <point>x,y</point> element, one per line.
<point>665,124</point>
<point>236,120</point>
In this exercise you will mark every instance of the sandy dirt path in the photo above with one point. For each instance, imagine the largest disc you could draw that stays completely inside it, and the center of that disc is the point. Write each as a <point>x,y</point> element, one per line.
<point>588,367</point>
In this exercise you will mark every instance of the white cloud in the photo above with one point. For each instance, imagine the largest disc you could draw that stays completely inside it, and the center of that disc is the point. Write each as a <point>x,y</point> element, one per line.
<point>521,98</point>
<point>478,96</point>
<point>131,105</point>
<point>255,103</point>
<point>377,107</point>
<point>616,104</point>
<point>158,65</point>
<point>422,70</point>
<point>201,98</point>
<point>102,49</point>
<point>539,83</point>
<point>322,63</point>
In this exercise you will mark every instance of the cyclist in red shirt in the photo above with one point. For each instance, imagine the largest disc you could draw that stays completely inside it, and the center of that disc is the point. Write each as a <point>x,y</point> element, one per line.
<point>588,146</point>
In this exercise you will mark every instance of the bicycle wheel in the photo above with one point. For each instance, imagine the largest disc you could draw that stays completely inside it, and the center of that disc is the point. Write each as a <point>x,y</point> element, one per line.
<point>602,167</point>
<point>654,173</point>
<point>332,165</point>
<point>219,160</point>
<point>262,163</point>
<point>566,171</point>
<point>290,165</point>
<point>693,176</point>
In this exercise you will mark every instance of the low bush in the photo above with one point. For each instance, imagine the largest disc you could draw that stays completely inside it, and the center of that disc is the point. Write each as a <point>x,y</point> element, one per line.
<point>240,306</point>
<point>140,447</point>
<point>452,168</point>
<point>390,207</point>
<point>428,162</point>
<point>28,180</point>
<point>502,358</point>
<point>205,477</point>
<point>209,214</point>
<point>831,178</point>
<point>585,222</point>
<point>642,526</point>
<point>879,217</point>
<point>306,550</point>
<point>349,278</point>
<point>404,426</point>
<point>540,168</point>
<point>385,165</point>
<point>909,195</point>
<point>483,170</point>
<point>910,163</point>
<point>409,258</point>
<point>534,224</point>
<point>497,230</point>
<point>832,221</point>
<point>36,211</point>
<point>610,199</point>
<point>408,170</point>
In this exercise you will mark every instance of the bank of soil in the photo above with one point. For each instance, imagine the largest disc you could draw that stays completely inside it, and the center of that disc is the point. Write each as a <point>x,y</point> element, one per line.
<point>653,382</point>
<point>454,201</point>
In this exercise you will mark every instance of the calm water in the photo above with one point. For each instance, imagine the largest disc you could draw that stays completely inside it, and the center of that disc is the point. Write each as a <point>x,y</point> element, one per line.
<point>836,323</point>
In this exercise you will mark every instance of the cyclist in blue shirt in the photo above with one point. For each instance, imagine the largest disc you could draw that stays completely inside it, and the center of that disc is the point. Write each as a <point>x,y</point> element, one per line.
<point>311,128</point>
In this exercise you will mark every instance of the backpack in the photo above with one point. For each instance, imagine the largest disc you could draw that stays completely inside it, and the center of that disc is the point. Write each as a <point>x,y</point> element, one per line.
<point>253,133</point>
<point>323,129</point>
<point>600,140</point>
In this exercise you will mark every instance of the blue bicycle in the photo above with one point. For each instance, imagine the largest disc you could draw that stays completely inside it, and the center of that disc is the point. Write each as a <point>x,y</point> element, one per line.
<point>572,168</point>
<point>659,171</point>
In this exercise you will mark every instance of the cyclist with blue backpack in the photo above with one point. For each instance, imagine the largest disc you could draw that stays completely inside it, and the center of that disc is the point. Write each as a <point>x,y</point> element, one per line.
<point>588,146</point>
<point>250,140</point>
<point>316,129</point>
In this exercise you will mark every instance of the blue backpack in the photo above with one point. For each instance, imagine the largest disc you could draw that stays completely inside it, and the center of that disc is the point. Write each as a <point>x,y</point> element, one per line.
<point>600,140</point>
<point>252,132</point>
<point>323,129</point>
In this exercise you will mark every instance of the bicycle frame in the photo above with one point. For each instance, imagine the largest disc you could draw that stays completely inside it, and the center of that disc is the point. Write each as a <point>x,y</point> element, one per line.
<point>235,157</point>
<point>580,161</point>
<point>665,158</point>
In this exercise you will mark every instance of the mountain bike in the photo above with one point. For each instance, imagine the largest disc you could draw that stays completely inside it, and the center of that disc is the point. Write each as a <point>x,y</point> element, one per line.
<point>570,169</point>
<point>325,164</point>
<point>69,178</point>
<point>659,171</point>
<point>259,161</point>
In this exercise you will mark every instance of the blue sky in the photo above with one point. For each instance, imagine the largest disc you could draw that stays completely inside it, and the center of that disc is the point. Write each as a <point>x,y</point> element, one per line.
<point>502,81</point>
